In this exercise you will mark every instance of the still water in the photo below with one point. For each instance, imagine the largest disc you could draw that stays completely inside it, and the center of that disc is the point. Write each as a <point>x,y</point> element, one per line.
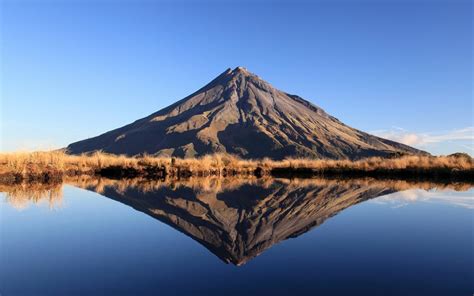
<point>221,237</point>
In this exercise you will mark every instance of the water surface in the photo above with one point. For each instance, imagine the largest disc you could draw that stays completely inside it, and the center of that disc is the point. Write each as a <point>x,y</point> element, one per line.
<point>212,237</point>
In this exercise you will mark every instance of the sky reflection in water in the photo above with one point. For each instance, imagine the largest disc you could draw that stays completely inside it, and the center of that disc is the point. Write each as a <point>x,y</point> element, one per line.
<point>385,237</point>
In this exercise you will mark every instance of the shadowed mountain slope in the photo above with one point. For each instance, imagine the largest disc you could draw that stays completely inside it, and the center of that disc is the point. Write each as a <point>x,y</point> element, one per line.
<point>239,113</point>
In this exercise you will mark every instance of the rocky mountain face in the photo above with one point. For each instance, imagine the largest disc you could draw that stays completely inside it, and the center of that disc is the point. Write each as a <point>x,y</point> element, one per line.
<point>240,113</point>
<point>239,221</point>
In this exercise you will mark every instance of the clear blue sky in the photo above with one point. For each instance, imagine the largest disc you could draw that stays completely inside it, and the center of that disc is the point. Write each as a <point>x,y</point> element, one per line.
<point>74,69</point>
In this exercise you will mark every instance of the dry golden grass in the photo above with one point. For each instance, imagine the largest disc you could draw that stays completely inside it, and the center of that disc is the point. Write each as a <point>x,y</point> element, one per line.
<point>22,195</point>
<point>377,163</point>
<point>58,162</point>
<point>23,162</point>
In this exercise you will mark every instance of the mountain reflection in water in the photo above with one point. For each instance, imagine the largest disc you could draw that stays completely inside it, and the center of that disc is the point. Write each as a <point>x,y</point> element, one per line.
<point>236,219</point>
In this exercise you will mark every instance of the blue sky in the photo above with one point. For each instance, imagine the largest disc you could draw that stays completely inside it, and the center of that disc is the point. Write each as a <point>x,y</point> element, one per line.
<point>74,69</point>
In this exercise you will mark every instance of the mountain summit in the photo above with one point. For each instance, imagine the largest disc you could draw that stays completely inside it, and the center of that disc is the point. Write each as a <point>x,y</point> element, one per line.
<point>242,114</point>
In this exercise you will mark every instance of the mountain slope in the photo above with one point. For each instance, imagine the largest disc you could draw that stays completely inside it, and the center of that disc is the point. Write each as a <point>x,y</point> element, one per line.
<point>239,223</point>
<point>239,113</point>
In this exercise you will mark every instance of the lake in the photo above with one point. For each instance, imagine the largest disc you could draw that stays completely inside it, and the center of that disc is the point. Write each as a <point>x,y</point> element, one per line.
<point>237,237</point>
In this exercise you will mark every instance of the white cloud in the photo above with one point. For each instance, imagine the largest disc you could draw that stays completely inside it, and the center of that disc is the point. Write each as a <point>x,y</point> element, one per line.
<point>425,139</point>
<point>404,198</point>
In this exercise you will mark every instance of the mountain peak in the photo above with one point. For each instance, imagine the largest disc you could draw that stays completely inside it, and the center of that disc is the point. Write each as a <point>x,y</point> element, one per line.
<point>239,113</point>
<point>230,75</point>
<point>241,70</point>
<point>238,71</point>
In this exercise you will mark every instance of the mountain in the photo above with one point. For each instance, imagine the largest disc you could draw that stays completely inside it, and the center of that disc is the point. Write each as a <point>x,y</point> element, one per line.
<point>241,221</point>
<point>240,113</point>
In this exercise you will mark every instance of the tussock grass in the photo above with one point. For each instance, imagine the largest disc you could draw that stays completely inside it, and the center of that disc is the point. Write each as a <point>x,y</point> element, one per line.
<point>22,195</point>
<point>377,163</point>
<point>51,164</point>
<point>21,162</point>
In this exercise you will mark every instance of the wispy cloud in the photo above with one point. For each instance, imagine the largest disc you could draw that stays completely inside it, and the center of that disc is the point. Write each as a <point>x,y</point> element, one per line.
<point>448,197</point>
<point>426,138</point>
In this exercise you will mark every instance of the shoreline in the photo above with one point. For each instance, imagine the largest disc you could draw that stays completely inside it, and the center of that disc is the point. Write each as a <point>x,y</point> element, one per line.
<point>55,165</point>
<point>115,173</point>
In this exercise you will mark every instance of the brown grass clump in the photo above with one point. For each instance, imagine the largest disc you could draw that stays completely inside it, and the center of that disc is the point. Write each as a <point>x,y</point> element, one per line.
<point>21,195</point>
<point>376,163</point>
<point>50,165</point>
<point>23,162</point>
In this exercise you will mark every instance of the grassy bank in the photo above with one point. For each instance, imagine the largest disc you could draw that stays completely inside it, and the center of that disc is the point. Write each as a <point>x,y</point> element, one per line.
<point>22,194</point>
<point>53,165</point>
